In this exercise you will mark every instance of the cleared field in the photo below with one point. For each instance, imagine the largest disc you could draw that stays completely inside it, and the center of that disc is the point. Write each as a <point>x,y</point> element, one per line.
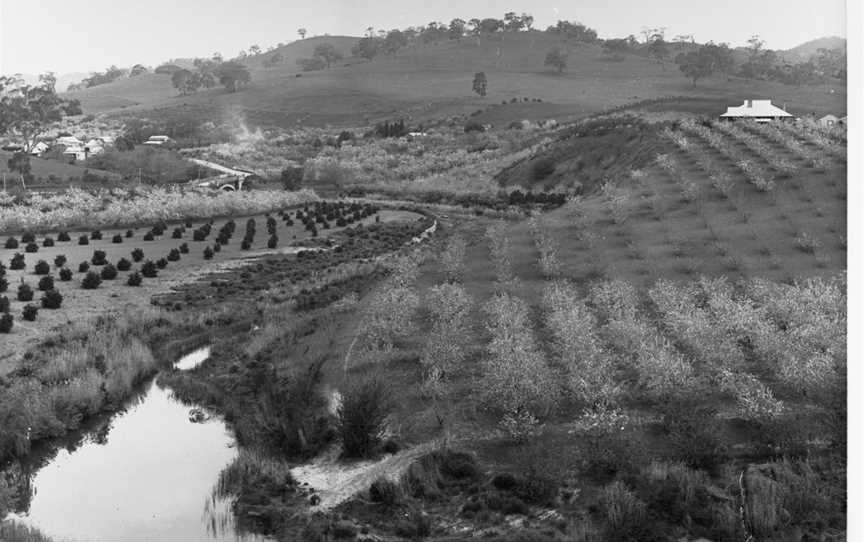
<point>42,169</point>
<point>435,80</point>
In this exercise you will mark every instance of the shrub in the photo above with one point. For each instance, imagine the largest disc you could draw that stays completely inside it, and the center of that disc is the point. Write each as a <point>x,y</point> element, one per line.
<point>137,255</point>
<point>96,235</point>
<point>208,253</point>
<point>4,304</point>
<point>184,248</point>
<point>123,264</point>
<point>60,260</point>
<point>41,268</point>
<point>245,245</point>
<point>272,241</point>
<point>64,237</point>
<point>11,243</point>
<point>129,234</point>
<point>91,281</point>
<point>6,321</point>
<point>29,312</point>
<point>148,269</point>
<point>83,240</point>
<point>148,236</point>
<point>161,263</point>
<point>52,299</point>
<point>28,237</point>
<point>98,258</point>
<point>362,414</point>
<point>83,267</point>
<point>65,274</point>
<point>48,242</point>
<point>217,247</point>
<point>4,284</point>
<point>117,239</point>
<point>46,283</point>
<point>474,126</point>
<point>173,255</point>
<point>134,279</point>
<point>622,510</point>
<point>25,292</point>
<point>31,248</point>
<point>385,491</point>
<point>109,272</point>
<point>17,261</point>
<point>177,233</point>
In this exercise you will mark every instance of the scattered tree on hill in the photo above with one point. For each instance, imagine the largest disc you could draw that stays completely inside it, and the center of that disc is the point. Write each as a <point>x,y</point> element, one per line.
<point>137,70</point>
<point>456,29</point>
<point>491,25</point>
<point>706,61</point>
<point>479,84</point>
<point>393,41</point>
<point>255,50</point>
<point>557,59</point>
<point>658,50</point>
<point>683,39</point>
<point>575,31</point>
<point>367,47</point>
<point>100,78</point>
<point>618,47</point>
<point>273,60</point>
<point>311,64</point>
<point>327,53</point>
<point>302,33</point>
<point>232,75</point>
<point>475,26</point>
<point>27,111</point>
<point>20,163</point>
<point>516,23</point>
<point>183,82</point>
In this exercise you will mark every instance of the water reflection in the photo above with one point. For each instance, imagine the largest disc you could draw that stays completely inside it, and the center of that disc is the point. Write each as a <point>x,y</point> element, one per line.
<point>148,474</point>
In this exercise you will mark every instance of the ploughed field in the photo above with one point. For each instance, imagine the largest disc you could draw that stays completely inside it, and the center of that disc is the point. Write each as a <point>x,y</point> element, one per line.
<point>178,255</point>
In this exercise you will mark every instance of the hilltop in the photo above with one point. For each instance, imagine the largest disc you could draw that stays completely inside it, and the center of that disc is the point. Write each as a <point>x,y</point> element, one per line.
<point>434,80</point>
<point>809,48</point>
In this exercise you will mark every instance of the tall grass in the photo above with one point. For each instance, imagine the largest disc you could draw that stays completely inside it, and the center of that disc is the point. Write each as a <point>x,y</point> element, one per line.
<point>11,531</point>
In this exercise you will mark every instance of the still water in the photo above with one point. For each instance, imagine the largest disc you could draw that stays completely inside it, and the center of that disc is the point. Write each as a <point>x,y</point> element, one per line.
<point>150,477</point>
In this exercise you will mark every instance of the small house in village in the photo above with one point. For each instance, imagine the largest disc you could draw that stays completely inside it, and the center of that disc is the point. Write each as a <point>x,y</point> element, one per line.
<point>828,120</point>
<point>69,141</point>
<point>39,148</point>
<point>157,140</point>
<point>758,110</point>
<point>75,152</point>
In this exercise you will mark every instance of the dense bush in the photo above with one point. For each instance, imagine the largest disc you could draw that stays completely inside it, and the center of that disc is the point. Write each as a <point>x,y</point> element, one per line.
<point>134,279</point>
<point>474,126</point>
<point>4,303</point>
<point>41,268</point>
<point>208,253</point>
<point>177,233</point>
<point>46,283</point>
<point>28,237</point>
<point>117,239</point>
<point>98,258</point>
<point>148,269</point>
<point>4,284</point>
<point>60,260</point>
<point>91,281</point>
<point>173,255</point>
<point>96,235</point>
<point>137,255</point>
<point>83,240</point>
<point>25,292</point>
<point>386,492</point>
<point>148,236</point>
<point>6,322</point>
<point>184,248</point>
<point>129,234</point>
<point>64,237</point>
<point>246,244</point>
<point>11,243</point>
<point>109,272</point>
<point>361,416</point>
<point>29,312</point>
<point>48,242</point>
<point>161,263</point>
<point>31,248</point>
<point>65,274</point>
<point>83,267</point>
<point>17,261</point>
<point>123,264</point>
<point>272,241</point>
<point>52,299</point>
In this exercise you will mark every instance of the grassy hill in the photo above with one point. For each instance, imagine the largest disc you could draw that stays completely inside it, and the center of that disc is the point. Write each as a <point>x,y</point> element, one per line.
<point>435,80</point>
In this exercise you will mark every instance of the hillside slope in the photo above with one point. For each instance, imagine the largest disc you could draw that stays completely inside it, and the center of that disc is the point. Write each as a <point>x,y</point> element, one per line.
<point>435,80</point>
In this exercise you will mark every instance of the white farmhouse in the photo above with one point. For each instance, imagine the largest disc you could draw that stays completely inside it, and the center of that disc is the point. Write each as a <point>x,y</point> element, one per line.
<point>39,148</point>
<point>828,120</point>
<point>758,110</point>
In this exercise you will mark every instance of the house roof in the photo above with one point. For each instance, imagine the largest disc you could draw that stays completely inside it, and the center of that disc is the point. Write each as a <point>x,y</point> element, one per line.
<point>756,108</point>
<point>829,116</point>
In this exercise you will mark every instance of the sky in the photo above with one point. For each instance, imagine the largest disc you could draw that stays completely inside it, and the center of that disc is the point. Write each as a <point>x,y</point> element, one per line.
<point>90,35</point>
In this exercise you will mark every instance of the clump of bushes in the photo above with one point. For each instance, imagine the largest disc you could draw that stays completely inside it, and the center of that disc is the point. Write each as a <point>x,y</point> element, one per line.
<point>91,281</point>
<point>4,304</point>
<point>28,237</point>
<point>386,492</point>
<point>96,235</point>
<point>64,237</point>
<point>48,242</point>
<point>41,268</point>
<point>137,255</point>
<point>161,263</point>
<point>173,255</point>
<point>83,240</point>
<point>148,236</point>
<point>123,264</point>
<point>65,274</point>
<point>117,239</point>
<point>29,312</point>
<point>11,243</point>
<point>25,292</point>
<point>361,416</point>
<point>60,260</point>
<point>129,234</point>
<point>109,272</point>
<point>46,283</point>
<point>83,267</point>
<point>6,321</point>
<point>52,299</point>
<point>208,253</point>
<point>134,279</point>
<point>17,261</point>
<point>148,269</point>
<point>184,248</point>
<point>31,248</point>
<point>99,258</point>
